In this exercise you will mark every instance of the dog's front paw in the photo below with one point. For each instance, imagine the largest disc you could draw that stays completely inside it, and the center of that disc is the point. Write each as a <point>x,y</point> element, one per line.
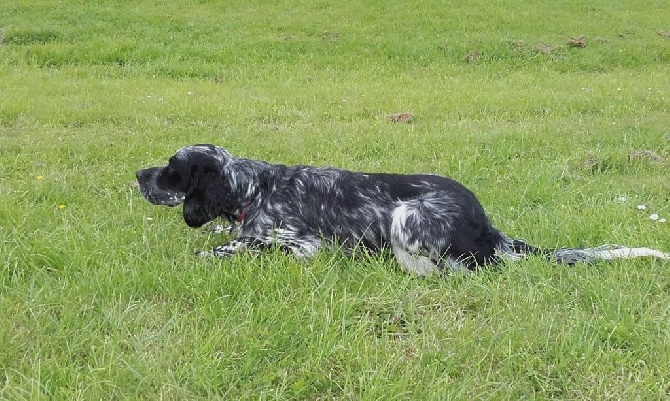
<point>217,252</point>
<point>225,250</point>
<point>205,254</point>
<point>227,229</point>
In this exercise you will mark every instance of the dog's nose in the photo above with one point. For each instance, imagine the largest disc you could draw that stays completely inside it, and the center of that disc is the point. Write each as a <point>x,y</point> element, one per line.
<point>138,174</point>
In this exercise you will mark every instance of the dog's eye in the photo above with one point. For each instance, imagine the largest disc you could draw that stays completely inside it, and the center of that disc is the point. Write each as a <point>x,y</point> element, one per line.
<point>174,178</point>
<point>171,180</point>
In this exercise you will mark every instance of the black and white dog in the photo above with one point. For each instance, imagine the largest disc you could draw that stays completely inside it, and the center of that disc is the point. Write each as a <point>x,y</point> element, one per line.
<point>429,222</point>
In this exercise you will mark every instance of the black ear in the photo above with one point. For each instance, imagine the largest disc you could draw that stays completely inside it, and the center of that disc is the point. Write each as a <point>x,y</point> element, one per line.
<point>195,176</point>
<point>197,208</point>
<point>196,170</point>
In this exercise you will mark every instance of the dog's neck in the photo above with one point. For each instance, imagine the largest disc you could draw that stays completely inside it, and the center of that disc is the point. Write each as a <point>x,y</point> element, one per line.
<point>248,180</point>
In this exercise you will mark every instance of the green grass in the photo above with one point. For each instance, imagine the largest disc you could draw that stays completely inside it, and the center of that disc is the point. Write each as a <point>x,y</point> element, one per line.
<point>98,301</point>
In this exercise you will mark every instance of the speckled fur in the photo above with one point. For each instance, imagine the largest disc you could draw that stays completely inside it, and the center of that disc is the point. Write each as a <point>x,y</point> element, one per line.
<point>429,222</point>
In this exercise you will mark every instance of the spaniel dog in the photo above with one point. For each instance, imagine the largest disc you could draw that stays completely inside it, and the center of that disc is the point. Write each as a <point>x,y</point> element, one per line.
<point>429,222</point>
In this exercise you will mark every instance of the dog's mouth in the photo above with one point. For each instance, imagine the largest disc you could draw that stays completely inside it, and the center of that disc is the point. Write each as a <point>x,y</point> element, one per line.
<point>173,202</point>
<point>148,184</point>
<point>159,197</point>
<point>163,198</point>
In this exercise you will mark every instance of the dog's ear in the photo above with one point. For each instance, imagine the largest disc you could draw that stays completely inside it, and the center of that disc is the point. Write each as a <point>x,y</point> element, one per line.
<point>194,178</point>
<point>198,208</point>
<point>185,176</point>
<point>201,168</point>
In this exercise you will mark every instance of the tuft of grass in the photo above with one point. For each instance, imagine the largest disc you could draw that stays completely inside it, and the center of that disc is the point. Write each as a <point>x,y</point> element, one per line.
<point>100,292</point>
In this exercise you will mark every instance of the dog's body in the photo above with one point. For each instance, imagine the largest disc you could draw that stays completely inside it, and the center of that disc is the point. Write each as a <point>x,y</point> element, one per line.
<point>428,221</point>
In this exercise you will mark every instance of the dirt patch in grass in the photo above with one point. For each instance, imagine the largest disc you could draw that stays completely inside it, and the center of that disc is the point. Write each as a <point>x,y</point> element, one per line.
<point>646,155</point>
<point>578,42</point>
<point>401,117</point>
<point>473,56</point>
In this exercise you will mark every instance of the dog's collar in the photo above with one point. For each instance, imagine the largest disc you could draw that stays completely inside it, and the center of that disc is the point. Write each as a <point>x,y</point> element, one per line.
<point>240,217</point>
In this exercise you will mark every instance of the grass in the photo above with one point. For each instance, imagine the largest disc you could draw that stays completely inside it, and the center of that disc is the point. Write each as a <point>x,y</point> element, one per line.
<point>100,294</point>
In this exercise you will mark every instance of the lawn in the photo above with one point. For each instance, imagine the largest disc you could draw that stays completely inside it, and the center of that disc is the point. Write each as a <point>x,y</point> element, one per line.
<point>557,115</point>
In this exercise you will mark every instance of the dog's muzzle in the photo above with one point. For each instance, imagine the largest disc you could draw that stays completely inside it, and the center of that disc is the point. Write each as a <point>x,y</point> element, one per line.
<point>148,183</point>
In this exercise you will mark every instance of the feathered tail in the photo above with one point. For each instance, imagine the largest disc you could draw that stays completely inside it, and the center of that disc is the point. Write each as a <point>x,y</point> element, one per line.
<point>516,249</point>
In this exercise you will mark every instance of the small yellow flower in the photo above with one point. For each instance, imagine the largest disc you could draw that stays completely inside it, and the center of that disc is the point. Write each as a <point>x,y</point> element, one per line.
<point>61,206</point>
<point>39,177</point>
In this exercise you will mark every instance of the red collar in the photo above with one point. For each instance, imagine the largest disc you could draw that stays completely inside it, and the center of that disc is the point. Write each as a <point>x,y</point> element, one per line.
<point>240,217</point>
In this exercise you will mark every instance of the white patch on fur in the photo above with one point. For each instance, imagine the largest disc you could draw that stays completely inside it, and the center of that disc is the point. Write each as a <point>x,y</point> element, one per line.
<point>227,229</point>
<point>504,251</point>
<point>627,253</point>
<point>251,189</point>
<point>405,250</point>
<point>177,198</point>
<point>398,220</point>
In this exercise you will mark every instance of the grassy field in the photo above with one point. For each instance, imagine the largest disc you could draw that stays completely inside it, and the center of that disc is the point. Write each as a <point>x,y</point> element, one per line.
<point>101,298</point>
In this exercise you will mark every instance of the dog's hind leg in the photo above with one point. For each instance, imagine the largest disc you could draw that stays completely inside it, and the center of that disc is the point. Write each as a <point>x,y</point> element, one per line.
<point>413,262</point>
<point>417,248</point>
<point>442,229</point>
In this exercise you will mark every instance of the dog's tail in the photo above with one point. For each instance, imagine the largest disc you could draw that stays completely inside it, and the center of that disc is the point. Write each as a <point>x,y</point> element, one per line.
<point>516,249</point>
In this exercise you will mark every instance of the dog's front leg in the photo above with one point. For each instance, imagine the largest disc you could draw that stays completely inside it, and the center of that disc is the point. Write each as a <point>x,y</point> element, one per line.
<point>237,245</point>
<point>301,248</point>
<point>228,229</point>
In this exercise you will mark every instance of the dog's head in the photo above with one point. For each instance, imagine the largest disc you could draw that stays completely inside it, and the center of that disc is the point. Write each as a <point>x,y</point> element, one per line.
<point>194,176</point>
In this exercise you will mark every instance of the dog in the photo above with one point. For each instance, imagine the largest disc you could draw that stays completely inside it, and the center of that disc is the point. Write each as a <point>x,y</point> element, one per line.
<point>429,222</point>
